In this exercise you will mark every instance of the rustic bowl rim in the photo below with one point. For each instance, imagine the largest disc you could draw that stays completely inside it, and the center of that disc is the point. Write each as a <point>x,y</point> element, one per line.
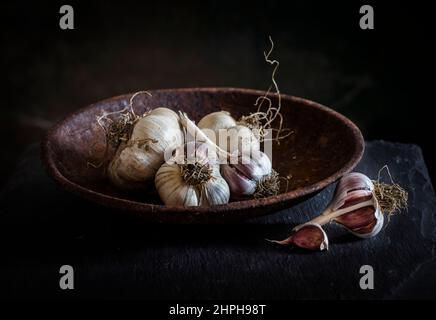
<point>48,160</point>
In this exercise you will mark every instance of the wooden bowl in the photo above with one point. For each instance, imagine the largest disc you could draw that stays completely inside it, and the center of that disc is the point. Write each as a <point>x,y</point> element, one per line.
<point>325,145</point>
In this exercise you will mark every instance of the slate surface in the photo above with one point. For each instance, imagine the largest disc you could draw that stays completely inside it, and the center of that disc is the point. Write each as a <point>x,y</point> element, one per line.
<point>116,256</point>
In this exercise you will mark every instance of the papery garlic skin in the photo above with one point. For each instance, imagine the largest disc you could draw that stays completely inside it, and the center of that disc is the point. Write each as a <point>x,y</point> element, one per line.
<point>351,186</point>
<point>244,175</point>
<point>363,223</point>
<point>309,236</point>
<point>240,186</point>
<point>175,190</point>
<point>160,125</point>
<point>217,121</point>
<point>137,160</point>
<point>240,139</point>
<point>354,188</point>
<point>131,167</point>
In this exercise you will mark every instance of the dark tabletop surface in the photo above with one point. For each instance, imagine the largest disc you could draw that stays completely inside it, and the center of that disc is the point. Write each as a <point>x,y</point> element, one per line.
<point>115,255</point>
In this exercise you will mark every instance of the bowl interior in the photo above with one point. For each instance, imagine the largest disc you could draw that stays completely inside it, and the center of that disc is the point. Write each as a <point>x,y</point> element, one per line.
<point>323,145</point>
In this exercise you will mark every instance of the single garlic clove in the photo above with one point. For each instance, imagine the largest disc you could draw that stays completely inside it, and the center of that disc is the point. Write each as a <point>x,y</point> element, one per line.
<point>309,236</point>
<point>215,193</point>
<point>185,195</point>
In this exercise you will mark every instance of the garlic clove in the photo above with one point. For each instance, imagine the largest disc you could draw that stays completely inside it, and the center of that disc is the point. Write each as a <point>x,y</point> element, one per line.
<point>189,194</point>
<point>309,236</point>
<point>215,193</point>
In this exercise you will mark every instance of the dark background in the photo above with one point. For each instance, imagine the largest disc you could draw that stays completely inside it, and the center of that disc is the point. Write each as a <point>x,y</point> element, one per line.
<point>382,79</point>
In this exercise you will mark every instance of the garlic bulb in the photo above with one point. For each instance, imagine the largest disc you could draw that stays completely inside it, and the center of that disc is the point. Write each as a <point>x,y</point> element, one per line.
<point>237,140</point>
<point>350,188</point>
<point>243,177</point>
<point>356,188</point>
<point>241,140</point>
<point>354,206</point>
<point>216,121</point>
<point>194,181</point>
<point>137,160</point>
<point>132,166</point>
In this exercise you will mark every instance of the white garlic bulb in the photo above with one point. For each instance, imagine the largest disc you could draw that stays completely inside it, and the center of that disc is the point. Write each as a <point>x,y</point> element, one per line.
<point>132,166</point>
<point>217,120</point>
<point>242,141</point>
<point>137,160</point>
<point>243,177</point>
<point>215,126</point>
<point>192,183</point>
<point>239,139</point>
